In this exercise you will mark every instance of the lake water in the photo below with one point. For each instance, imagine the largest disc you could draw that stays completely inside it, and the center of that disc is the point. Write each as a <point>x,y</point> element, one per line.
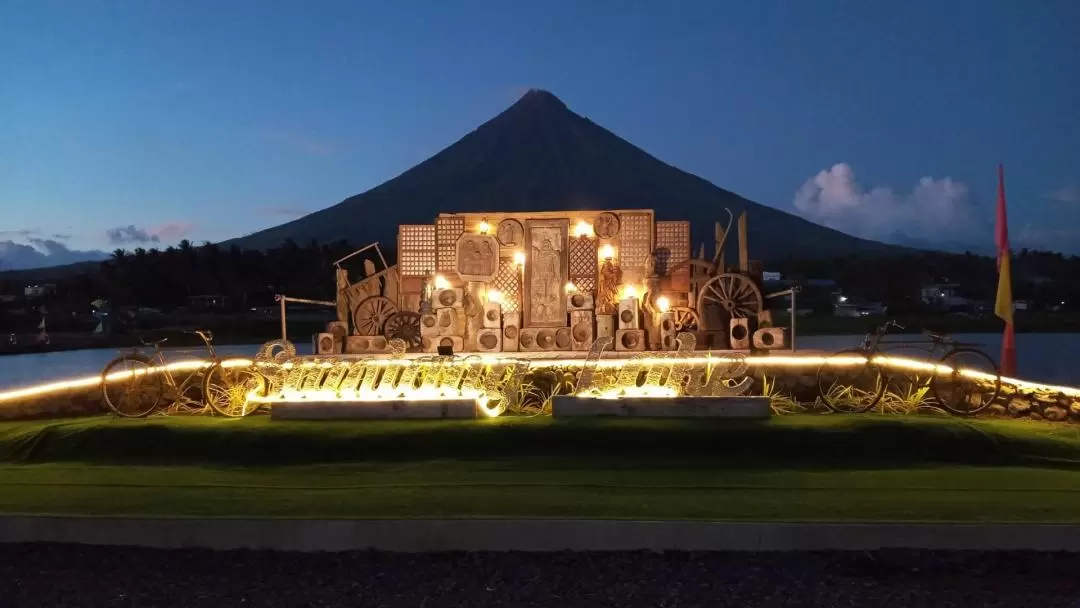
<point>1051,358</point>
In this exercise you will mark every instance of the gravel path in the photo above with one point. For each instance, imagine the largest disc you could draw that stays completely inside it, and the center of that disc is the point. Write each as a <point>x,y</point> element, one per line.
<point>70,575</point>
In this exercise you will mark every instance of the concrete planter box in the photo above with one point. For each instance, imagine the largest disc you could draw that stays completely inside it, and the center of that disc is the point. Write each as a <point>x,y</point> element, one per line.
<point>569,406</point>
<point>390,409</point>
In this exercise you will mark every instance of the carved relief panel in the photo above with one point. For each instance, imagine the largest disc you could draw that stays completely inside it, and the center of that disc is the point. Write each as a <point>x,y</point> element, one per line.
<point>546,272</point>
<point>477,257</point>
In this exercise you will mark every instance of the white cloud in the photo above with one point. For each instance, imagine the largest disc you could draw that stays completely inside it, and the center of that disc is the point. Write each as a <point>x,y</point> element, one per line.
<point>1068,194</point>
<point>39,253</point>
<point>934,209</point>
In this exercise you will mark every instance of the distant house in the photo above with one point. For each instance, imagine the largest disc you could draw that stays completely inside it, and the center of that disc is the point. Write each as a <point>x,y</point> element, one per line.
<point>945,296</point>
<point>208,302</point>
<point>39,291</point>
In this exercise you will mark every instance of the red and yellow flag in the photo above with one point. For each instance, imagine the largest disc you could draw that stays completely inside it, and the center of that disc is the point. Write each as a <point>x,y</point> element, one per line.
<point>1003,305</point>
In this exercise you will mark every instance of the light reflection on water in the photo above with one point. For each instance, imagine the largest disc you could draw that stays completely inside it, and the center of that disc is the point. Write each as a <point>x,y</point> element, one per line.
<point>1050,358</point>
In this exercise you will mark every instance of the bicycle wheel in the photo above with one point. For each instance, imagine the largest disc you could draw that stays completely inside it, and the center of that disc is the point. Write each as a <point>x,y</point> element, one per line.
<point>850,387</point>
<point>137,391</point>
<point>972,384</point>
<point>227,390</point>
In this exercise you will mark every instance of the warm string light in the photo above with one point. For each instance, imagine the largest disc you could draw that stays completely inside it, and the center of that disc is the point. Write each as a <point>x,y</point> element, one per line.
<point>441,282</point>
<point>494,296</point>
<point>607,252</point>
<point>571,288</point>
<point>519,258</point>
<point>583,229</point>
<point>484,227</point>
<point>663,303</point>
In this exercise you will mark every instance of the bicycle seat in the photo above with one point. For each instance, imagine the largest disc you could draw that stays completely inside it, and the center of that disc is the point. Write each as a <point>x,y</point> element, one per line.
<point>933,335</point>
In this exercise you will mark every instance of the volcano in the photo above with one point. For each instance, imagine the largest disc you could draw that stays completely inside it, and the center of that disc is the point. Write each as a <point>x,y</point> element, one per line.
<point>539,155</point>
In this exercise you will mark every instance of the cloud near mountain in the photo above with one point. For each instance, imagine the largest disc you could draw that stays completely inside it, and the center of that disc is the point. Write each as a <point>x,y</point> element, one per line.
<point>42,252</point>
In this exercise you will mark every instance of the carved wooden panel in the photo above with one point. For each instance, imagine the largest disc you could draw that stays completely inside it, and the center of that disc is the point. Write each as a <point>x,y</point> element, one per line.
<point>672,244</point>
<point>583,263</point>
<point>477,257</point>
<point>635,241</point>
<point>508,282</point>
<point>546,272</point>
<point>447,231</point>
<point>416,249</point>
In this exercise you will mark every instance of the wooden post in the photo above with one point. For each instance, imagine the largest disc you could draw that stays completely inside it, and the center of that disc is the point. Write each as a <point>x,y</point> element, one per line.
<point>718,235</point>
<point>744,248</point>
<point>283,333</point>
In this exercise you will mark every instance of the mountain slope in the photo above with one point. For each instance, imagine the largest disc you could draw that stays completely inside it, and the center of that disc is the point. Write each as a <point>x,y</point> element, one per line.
<point>539,155</point>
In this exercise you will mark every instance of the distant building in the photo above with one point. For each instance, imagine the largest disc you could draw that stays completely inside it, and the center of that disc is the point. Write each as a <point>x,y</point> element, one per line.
<point>208,302</point>
<point>945,296</point>
<point>39,291</point>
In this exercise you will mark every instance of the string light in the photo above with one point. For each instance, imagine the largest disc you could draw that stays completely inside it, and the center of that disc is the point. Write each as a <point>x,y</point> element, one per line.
<point>583,229</point>
<point>494,296</point>
<point>607,252</point>
<point>441,282</point>
<point>571,288</point>
<point>663,303</point>
<point>519,258</point>
<point>484,227</point>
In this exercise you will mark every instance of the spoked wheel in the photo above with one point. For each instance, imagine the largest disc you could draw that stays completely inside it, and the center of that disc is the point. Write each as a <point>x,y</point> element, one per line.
<point>849,382</point>
<point>970,385</point>
<point>228,390</point>
<point>406,326</point>
<point>371,314</point>
<point>130,388</point>
<point>733,296</point>
<point>686,319</point>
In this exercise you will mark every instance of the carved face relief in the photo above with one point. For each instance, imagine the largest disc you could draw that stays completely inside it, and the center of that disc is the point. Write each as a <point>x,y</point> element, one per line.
<point>510,233</point>
<point>477,257</point>
<point>606,225</point>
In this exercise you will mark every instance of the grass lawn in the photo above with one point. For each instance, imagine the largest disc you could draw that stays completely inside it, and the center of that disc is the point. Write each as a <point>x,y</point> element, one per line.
<point>795,468</point>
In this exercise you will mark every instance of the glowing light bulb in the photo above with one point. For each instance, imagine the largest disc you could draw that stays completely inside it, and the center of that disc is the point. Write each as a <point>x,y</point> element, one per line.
<point>571,288</point>
<point>583,228</point>
<point>441,282</point>
<point>484,227</point>
<point>519,258</point>
<point>629,292</point>
<point>495,296</point>
<point>607,252</point>
<point>663,303</point>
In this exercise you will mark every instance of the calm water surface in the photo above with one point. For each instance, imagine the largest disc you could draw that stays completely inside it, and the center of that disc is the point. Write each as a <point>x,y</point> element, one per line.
<point>1053,358</point>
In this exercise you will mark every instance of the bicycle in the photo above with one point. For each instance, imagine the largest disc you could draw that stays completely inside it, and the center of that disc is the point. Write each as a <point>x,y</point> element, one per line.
<point>965,380</point>
<point>146,381</point>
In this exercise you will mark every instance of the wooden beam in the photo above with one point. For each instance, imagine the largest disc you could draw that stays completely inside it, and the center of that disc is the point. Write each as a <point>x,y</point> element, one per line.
<point>744,247</point>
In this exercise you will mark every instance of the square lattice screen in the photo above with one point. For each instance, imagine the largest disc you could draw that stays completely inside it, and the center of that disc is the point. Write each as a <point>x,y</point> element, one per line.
<point>672,245</point>
<point>416,244</point>
<point>508,282</point>
<point>635,239</point>
<point>447,231</point>
<point>583,263</point>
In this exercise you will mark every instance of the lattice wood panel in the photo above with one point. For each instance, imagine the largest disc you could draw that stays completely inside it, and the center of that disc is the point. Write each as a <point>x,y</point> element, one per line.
<point>635,239</point>
<point>416,249</point>
<point>583,263</point>
<point>448,229</point>
<point>508,282</point>
<point>672,244</point>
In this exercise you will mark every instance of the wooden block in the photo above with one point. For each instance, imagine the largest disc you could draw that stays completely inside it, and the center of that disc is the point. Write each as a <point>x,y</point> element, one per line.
<point>358,345</point>
<point>446,298</point>
<point>324,344</point>
<point>579,301</point>
<point>769,338</point>
<point>629,313</point>
<point>630,339</point>
<point>764,319</point>
<point>666,326</point>
<point>492,315</point>
<point>537,339</point>
<point>511,331</point>
<point>450,321</point>
<point>581,329</point>
<point>563,340</point>
<point>489,340</point>
<point>739,336</point>
<point>605,326</point>
<point>431,344</point>
<point>429,324</point>
<point>339,329</point>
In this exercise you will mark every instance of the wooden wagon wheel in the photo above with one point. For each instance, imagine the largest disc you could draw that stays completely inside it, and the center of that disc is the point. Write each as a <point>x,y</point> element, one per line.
<point>686,318</point>
<point>406,326</point>
<point>371,313</point>
<point>734,294</point>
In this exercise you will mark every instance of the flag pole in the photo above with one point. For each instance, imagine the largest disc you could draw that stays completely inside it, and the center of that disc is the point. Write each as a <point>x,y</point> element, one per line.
<point>1003,305</point>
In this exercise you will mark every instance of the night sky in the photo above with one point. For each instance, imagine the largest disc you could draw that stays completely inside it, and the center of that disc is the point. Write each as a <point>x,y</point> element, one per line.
<point>128,123</point>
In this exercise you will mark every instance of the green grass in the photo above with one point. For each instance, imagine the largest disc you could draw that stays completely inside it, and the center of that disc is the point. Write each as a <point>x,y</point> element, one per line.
<point>793,468</point>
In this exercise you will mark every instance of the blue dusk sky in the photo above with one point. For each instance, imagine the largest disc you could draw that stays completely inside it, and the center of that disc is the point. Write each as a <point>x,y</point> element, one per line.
<point>128,123</point>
